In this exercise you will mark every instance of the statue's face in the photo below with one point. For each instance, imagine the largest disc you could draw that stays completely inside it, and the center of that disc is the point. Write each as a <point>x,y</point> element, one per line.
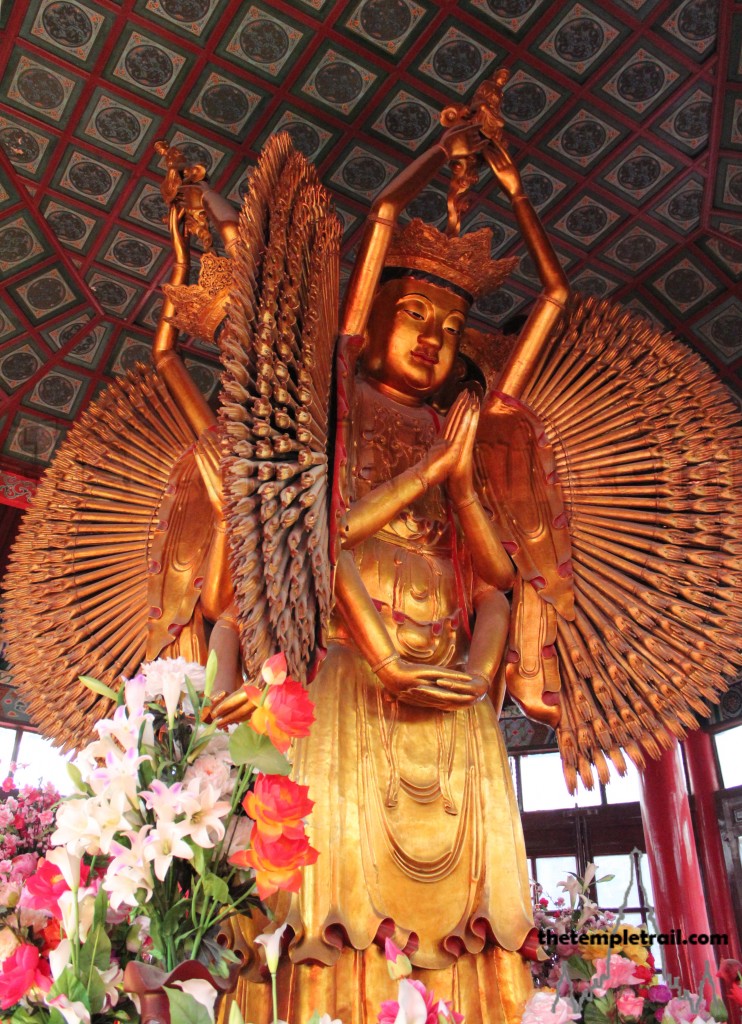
<point>413,336</point>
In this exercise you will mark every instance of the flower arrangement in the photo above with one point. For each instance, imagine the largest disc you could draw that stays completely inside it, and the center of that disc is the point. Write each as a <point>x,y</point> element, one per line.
<point>159,845</point>
<point>609,977</point>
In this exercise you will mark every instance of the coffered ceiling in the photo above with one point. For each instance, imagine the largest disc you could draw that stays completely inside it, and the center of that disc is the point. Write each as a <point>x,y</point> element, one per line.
<point>625,117</point>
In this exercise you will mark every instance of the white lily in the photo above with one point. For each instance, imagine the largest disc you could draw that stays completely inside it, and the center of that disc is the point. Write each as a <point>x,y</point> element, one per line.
<point>60,957</point>
<point>75,830</point>
<point>112,979</point>
<point>128,870</point>
<point>120,773</point>
<point>77,909</point>
<point>73,1013</point>
<point>573,886</point>
<point>271,943</point>
<point>135,694</point>
<point>163,843</point>
<point>165,801</point>
<point>204,813</point>
<point>68,863</point>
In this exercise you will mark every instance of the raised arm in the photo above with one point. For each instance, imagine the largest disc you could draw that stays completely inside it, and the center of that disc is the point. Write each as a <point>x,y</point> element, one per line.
<point>381,221</point>
<point>167,361</point>
<point>376,509</point>
<point>555,293</point>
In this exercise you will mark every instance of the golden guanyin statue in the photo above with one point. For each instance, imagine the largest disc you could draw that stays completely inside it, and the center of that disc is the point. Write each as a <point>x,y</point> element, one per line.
<point>356,503</point>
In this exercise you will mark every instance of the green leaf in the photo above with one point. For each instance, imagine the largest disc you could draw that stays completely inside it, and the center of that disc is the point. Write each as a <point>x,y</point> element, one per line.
<point>185,1009</point>
<point>69,984</point>
<point>216,888</point>
<point>605,878</point>
<point>95,952</point>
<point>76,775</point>
<point>96,991</point>
<point>98,687</point>
<point>592,1014</point>
<point>248,747</point>
<point>199,859</point>
<point>211,667</point>
<point>100,909</point>
<point>193,697</point>
<point>579,968</point>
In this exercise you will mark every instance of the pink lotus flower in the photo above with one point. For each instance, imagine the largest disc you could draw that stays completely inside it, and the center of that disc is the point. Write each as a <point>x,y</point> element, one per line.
<point>275,670</point>
<point>415,1005</point>
<point>629,1004</point>
<point>397,963</point>
<point>23,972</point>
<point>613,973</point>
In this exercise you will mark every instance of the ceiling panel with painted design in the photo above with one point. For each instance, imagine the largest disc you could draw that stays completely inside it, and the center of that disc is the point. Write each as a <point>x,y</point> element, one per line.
<point>625,117</point>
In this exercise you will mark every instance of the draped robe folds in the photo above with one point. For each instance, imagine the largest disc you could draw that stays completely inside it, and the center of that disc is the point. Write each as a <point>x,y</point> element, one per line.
<point>414,817</point>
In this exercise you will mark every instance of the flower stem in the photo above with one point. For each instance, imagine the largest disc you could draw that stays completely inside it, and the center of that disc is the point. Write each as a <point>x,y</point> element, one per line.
<point>274,995</point>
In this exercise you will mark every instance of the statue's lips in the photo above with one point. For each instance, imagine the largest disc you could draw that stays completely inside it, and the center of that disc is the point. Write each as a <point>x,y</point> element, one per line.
<point>425,356</point>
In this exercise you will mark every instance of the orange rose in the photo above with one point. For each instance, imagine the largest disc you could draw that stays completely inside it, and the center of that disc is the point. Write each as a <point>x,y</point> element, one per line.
<point>286,712</point>
<point>277,805</point>
<point>277,865</point>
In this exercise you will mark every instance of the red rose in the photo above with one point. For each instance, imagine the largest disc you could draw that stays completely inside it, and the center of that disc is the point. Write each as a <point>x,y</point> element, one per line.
<point>277,805</point>
<point>22,972</point>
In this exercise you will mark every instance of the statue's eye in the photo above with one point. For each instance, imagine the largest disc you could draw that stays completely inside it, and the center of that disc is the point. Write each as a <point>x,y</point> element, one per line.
<point>414,314</point>
<point>456,331</point>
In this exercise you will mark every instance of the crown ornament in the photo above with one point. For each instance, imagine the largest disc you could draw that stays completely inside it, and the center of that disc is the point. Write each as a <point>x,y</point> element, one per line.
<point>462,260</point>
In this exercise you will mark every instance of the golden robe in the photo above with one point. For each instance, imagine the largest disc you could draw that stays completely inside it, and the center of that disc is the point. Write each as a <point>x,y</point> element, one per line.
<point>414,818</point>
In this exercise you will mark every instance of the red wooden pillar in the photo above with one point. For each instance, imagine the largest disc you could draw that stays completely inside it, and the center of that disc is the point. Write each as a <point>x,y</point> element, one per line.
<point>679,902</point>
<point>704,780</point>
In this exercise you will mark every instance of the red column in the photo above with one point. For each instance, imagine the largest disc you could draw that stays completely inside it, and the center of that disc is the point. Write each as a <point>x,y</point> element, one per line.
<point>704,780</point>
<point>680,906</point>
<point>699,753</point>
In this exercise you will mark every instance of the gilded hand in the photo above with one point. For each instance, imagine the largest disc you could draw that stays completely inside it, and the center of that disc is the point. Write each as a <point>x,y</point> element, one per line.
<point>447,451</point>
<point>505,170</point>
<point>431,685</point>
<point>462,141</point>
<point>460,482</point>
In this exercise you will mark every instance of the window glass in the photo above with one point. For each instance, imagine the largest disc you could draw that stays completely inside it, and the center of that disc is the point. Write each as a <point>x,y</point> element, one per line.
<point>622,890</point>
<point>39,761</point>
<point>550,871</point>
<point>623,789</point>
<point>727,746</point>
<point>544,788</point>
<point>7,739</point>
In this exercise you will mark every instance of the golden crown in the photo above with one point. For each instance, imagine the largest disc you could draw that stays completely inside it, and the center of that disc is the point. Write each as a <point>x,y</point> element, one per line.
<point>462,260</point>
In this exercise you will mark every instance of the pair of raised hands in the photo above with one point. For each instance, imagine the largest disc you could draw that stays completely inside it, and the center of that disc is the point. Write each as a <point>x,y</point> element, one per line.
<point>449,461</point>
<point>467,140</point>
